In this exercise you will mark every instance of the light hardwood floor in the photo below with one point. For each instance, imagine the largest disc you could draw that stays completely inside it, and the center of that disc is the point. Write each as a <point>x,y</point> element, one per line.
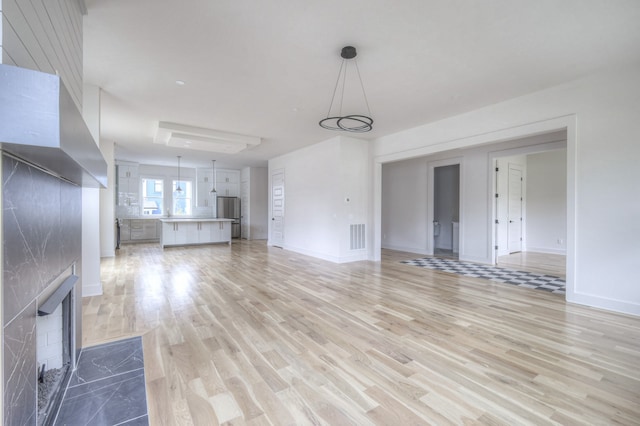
<point>254,335</point>
<point>544,263</point>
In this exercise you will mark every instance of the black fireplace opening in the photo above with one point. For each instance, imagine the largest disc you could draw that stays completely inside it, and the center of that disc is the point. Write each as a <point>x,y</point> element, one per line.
<point>55,327</point>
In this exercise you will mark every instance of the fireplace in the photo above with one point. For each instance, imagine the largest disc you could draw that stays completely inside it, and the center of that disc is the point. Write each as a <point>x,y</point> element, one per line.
<point>55,343</point>
<point>41,250</point>
<point>48,156</point>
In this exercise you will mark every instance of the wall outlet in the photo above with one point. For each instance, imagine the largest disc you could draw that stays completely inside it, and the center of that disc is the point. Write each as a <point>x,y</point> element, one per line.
<point>560,241</point>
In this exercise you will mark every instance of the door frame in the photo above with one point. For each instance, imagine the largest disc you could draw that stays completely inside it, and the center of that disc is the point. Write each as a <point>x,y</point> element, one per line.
<point>431,166</point>
<point>518,167</point>
<point>526,150</point>
<point>270,201</point>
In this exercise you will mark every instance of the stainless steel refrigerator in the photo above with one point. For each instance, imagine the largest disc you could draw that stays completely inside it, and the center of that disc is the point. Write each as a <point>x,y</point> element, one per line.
<point>229,208</point>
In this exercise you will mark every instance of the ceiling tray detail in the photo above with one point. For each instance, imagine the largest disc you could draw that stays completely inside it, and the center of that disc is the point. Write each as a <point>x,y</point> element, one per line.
<point>201,139</point>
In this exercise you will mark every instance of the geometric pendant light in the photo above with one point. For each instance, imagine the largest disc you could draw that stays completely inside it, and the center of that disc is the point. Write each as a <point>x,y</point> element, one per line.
<point>335,120</point>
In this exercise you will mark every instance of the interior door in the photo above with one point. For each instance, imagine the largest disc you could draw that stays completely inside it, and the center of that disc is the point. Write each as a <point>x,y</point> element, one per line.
<point>277,208</point>
<point>514,230</point>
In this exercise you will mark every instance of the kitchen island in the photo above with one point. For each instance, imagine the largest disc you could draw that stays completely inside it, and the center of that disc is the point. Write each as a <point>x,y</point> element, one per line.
<point>189,231</point>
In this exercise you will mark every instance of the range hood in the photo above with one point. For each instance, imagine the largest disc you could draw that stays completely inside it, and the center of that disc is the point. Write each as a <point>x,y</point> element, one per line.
<point>40,123</point>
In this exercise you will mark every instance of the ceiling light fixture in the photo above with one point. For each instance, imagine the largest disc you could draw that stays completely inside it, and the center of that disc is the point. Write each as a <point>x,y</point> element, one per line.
<point>213,190</point>
<point>178,189</point>
<point>201,139</point>
<point>356,123</point>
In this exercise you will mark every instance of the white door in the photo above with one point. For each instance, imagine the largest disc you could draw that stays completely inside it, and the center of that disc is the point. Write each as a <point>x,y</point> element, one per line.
<point>514,230</point>
<point>277,208</point>
<point>244,210</point>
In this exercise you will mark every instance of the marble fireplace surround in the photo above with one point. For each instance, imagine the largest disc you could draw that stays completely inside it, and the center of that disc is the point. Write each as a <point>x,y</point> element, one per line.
<point>41,235</point>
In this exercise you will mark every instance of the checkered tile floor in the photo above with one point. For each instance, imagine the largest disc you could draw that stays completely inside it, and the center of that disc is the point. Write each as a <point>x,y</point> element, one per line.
<point>502,275</point>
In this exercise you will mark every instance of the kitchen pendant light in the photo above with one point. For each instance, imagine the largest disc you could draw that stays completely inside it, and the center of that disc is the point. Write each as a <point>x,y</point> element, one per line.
<point>213,190</point>
<point>355,123</point>
<point>178,189</point>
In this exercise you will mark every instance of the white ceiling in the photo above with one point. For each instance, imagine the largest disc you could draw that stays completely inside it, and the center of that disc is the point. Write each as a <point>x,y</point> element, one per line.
<point>268,68</point>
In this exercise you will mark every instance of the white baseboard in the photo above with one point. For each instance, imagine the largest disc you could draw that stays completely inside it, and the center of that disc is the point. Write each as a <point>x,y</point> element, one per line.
<point>547,250</point>
<point>475,259</point>
<point>360,255</point>
<point>106,254</point>
<point>92,290</point>
<point>406,249</point>
<point>600,302</point>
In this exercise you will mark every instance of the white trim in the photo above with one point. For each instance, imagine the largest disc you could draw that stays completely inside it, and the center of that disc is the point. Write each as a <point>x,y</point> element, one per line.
<point>544,250</point>
<point>361,255</point>
<point>92,290</point>
<point>414,250</point>
<point>565,122</point>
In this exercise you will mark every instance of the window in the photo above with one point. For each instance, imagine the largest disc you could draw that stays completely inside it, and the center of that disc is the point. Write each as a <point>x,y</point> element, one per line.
<point>182,200</point>
<point>152,196</point>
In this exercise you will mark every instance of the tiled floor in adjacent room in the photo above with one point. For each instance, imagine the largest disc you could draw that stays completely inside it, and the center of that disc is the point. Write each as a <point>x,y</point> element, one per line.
<point>108,387</point>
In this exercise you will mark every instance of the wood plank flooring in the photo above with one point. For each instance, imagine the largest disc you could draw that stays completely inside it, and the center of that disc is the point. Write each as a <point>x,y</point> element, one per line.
<point>255,335</point>
<point>543,263</point>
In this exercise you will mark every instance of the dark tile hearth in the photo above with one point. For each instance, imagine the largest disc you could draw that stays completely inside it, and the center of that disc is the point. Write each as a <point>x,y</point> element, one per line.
<point>108,387</point>
<point>532,280</point>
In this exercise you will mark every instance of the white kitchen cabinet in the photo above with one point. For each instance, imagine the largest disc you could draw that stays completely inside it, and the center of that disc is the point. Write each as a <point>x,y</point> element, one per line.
<point>204,197</point>
<point>176,233</point>
<point>195,231</point>
<point>221,232</point>
<point>128,185</point>
<point>228,183</point>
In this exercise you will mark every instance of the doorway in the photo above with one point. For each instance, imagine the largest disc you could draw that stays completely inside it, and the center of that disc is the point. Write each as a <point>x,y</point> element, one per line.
<point>446,211</point>
<point>530,213</point>
<point>277,208</point>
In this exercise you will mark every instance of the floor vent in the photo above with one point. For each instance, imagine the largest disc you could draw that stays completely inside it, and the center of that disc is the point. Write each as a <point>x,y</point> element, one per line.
<point>357,237</point>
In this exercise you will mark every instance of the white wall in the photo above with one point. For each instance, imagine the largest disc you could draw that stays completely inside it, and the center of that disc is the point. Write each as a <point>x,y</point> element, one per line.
<point>407,209</point>
<point>318,182</point>
<point>546,208</point>
<point>107,203</point>
<point>404,206</point>
<point>91,285</point>
<point>259,203</point>
<point>599,113</point>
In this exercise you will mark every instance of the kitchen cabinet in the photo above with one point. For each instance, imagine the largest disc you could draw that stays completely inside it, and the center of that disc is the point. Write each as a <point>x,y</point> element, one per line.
<point>204,197</point>
<point>175,233</point>
<point>137,230</point>
<point>221,232</point>
<point>144,230</point>
<point>128,185</point>
<point>125,231</point>
<point>195,231</point>
<point>228,183</point>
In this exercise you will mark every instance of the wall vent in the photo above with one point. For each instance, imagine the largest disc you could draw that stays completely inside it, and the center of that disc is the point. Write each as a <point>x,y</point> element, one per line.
<point>357,237</point>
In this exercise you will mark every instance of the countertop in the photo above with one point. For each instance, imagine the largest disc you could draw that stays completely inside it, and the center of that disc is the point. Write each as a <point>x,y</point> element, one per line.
<point>194,219</point>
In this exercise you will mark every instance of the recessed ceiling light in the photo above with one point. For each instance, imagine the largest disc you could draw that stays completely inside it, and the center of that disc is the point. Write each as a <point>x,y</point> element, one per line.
<point>180,82</point>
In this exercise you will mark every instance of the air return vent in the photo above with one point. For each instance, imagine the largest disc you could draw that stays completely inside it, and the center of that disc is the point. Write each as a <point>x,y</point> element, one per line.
<point>357,237</point>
